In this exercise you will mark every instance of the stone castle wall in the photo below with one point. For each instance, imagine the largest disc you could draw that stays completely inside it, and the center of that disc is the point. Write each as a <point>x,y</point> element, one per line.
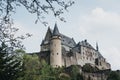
<point>73,54</point>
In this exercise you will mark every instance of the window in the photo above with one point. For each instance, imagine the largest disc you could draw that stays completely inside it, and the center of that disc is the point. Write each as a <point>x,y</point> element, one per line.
<point>83,57</point>
<point>51,43</point>
<point>83,53</point>
<point>87,58</point>
<point>57,53</point>
<point>52,53</point>
<point>100,63</point>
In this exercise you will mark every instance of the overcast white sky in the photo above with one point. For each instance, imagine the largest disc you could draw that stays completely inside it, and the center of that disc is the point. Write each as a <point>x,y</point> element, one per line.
<point>94,20</point>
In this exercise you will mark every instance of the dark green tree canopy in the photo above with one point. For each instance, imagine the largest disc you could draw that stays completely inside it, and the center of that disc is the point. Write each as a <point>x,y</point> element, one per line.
<point>114,75</point>
<point>9,65</point>
<point>89,68</point>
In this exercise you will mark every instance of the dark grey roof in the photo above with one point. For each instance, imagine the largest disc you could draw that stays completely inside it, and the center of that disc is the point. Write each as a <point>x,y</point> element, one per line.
<point>85,44</point>
<point>77,48</point>
<point>67,41</point>
<point>56,31</point>
<point>99,55</point>
<point>42,43</point>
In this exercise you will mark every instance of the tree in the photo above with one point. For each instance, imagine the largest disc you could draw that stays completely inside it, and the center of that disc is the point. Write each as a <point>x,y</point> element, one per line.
<point>74,72</point>
<point>50,73</point>
<point>114,75</point>
<point>9,65</point>
<point>46,71</point>
<point>31,68</point>
<point>89,68</point>
<point>8,35</point>
<point>80,77</point>
<point>38,7</point>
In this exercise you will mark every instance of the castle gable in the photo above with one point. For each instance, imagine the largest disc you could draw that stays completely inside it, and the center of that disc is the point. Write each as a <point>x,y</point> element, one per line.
<point>48,35</point>
<point>65,39</point>
<point>85,44</point>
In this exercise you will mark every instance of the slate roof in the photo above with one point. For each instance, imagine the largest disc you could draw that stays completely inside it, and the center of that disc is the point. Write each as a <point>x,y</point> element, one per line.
<point>99,55</point>
<point>85,44</point>
<point>76,48</point>
<point>56,31</point>
<point>67,41</point>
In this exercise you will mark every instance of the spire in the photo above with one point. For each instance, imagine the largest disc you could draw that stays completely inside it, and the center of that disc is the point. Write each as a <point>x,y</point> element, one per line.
<point>97,48</point>
<point>48,28</point>
<point>56,31</point>
<point>42,43</point>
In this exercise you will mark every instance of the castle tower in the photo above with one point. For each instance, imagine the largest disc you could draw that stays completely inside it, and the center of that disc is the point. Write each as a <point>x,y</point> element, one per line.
<point>55,48</point>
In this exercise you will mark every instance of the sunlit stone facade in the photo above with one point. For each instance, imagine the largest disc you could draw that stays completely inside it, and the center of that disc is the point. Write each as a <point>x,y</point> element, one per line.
<point>61,50</point>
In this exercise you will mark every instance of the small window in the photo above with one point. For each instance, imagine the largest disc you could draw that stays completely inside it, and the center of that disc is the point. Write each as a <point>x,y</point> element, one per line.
<point>51,43</point>
<point>57,53</point>
<point>87,58</point>
<point>83,53</point>
<point>100,63</point>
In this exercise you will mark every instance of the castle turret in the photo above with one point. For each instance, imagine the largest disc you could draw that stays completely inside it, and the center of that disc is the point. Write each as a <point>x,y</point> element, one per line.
<point>97,48</point>
<point>55,48</point>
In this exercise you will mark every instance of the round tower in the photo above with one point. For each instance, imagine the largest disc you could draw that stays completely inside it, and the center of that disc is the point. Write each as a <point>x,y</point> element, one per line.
<point>55,49</point>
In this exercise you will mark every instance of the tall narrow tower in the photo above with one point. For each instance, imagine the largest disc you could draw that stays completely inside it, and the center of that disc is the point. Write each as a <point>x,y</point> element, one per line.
<point>55,48</point>
<point>97,48</point>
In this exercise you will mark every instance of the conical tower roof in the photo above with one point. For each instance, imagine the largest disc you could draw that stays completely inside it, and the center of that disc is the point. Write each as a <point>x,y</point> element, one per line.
<point>56,31</point>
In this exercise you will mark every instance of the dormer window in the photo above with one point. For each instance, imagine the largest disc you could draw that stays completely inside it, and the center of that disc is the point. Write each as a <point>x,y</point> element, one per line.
<point>45,42</point>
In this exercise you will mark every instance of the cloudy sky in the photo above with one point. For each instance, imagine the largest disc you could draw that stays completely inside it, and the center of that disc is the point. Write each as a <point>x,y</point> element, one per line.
<point>94,20</point>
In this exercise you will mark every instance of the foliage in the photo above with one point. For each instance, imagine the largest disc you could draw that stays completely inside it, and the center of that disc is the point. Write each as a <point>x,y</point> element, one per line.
<point>31,68</point>
<point>50,73</point>
<point>38,7</point>
<point>114,75</point>
<point>75,73</point>
<point>9,37</point>
<point>9,65</point>
<point>89,68</point>
<point>80,77</point>
<point>34,69</point>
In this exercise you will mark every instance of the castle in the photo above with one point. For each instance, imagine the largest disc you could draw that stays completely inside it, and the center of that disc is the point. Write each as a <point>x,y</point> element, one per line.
<point>60,50</point>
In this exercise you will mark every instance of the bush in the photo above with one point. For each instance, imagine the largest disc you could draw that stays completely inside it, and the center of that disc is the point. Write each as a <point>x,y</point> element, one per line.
<point>89,68</point>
